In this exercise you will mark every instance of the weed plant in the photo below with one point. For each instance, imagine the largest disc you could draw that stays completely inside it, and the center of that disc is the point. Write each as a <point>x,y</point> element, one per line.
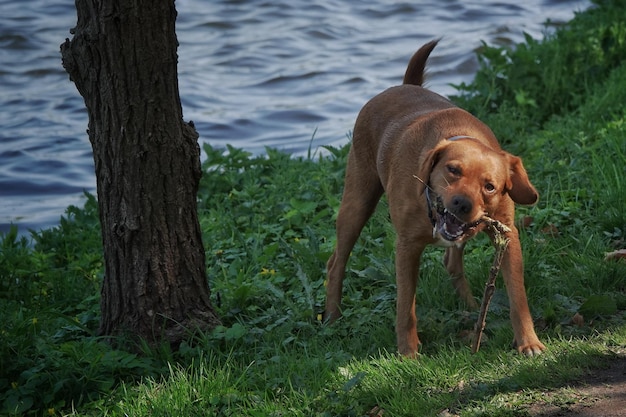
<point>268,224</point>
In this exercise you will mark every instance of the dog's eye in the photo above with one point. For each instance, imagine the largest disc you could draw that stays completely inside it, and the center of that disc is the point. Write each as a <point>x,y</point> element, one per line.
<point>490,188</point>
<point>454,170</point>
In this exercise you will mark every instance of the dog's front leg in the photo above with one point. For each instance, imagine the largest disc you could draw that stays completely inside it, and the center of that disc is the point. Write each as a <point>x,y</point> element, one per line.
<point>526,340</point>
<point>453,261</point>
<point>408,254</point>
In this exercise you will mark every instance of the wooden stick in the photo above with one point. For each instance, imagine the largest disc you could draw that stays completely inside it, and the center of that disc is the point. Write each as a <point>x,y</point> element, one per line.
<point>500,242</point>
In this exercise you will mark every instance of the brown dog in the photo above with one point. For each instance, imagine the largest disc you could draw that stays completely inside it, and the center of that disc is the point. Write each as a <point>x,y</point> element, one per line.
<point>408,132</point>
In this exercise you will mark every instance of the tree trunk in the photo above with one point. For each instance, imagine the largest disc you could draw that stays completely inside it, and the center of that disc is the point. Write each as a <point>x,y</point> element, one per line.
<point>123,62</point>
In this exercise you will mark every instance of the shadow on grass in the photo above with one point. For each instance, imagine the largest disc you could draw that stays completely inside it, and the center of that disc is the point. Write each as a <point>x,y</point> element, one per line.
<point>578,377</point>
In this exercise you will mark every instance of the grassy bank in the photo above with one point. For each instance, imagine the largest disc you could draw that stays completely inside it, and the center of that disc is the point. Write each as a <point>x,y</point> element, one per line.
<point>268,230</point>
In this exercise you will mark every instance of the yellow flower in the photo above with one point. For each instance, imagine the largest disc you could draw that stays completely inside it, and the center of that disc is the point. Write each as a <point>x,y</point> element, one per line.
<point>34,320</point>
<point>296,239</point>
<point>265,271</point>
<point>51,411</point>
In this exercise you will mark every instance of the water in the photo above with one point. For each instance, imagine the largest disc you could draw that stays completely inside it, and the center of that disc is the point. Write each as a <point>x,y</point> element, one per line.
<point>287,74</point>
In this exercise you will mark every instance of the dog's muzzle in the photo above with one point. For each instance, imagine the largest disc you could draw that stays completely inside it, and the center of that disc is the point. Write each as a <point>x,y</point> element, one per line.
<point>444,222</point>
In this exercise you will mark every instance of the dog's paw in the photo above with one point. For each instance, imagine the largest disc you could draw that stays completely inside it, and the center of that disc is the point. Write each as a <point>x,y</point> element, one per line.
<point>534,348</point>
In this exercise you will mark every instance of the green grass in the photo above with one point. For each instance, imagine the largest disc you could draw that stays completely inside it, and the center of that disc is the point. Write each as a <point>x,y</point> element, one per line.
<point>268,225</point>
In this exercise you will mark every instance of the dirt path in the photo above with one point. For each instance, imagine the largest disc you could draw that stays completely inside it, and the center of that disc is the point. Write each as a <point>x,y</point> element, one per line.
<point>601,393</point>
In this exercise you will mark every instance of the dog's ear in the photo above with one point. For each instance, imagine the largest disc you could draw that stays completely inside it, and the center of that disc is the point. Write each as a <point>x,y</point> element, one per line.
<point>518,185</point>
<point>432,157</point>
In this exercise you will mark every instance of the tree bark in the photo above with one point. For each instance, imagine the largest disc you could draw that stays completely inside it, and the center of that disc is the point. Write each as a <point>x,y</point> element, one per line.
<point>123,61</point>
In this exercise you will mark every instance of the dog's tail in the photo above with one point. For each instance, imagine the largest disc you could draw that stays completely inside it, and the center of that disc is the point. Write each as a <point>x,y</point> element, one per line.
<point>415,71</point>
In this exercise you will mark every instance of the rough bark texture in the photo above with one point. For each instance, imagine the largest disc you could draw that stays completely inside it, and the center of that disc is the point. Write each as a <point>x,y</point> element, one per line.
<point>123,62</point>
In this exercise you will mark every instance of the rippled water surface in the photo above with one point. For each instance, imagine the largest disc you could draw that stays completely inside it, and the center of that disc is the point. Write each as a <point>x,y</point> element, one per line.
<point>288,74</point>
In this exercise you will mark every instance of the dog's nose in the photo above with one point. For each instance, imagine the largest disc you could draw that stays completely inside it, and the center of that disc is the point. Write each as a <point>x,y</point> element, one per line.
<point>461,205</point>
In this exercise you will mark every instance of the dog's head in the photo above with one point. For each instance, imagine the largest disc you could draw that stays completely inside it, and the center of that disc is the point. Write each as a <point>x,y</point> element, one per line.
<point>468,180</point>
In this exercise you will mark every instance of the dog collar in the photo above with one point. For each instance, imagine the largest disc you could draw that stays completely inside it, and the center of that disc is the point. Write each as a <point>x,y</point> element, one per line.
<point>453,138</point>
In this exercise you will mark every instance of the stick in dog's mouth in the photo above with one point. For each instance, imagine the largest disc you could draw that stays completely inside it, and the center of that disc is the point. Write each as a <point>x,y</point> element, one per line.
<point>449,226</point>
<point>445,223</point>
<point>501,241</point>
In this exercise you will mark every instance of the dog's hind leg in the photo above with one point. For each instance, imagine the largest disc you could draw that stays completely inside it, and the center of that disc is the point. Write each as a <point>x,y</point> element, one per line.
<point>362,190</point>
<point>453,261</point>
